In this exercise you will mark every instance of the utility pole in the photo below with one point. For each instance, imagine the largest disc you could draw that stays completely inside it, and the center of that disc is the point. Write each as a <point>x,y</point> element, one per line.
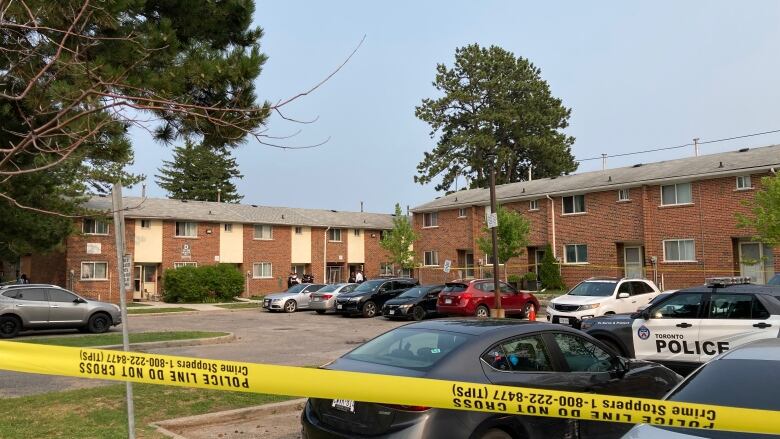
<point>124,276</point>
<point>497,312</point>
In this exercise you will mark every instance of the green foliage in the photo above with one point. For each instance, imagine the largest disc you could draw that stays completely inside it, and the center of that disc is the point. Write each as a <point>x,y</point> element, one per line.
<point>198,173</point>
<point>530,276</point>
<point>399,240</point>
<point>549,271</point>
<point>207,283</point>
<point>512,235</point>
<point>497,103</point>
<point>765,212</point>
<point>513,278</point>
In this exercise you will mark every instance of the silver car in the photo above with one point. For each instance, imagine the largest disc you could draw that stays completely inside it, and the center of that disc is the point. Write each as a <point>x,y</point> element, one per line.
<point>324,300</point>
<point>39,306</point>
<point>297,297</point>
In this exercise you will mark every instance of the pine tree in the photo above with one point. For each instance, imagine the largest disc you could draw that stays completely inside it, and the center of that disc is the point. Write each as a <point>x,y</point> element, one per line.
<point>200,173</point>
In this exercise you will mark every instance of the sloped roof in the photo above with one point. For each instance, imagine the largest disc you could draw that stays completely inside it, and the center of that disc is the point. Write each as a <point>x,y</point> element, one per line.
<point>690,168</point>
<point>163,208</point>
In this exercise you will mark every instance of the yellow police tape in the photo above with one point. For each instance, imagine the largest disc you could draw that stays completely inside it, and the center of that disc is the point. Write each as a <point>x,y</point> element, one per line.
<point>318,383</point>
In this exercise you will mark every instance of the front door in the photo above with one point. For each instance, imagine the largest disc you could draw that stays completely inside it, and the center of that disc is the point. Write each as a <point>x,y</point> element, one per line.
<point>63,307</point>
<point>150,280</point>
<point>137,283</point>
<point>538,256</point>
<point>334,275</point>
<point>751,261</point>
<point>632,261</point>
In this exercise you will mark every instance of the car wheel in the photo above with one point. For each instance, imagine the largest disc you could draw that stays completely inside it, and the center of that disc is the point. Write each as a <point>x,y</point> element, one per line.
<point>99,323</point>
<point>482,311</point>
<point>290,306</point>
<point>527,309</point>
<point>10,326</point>
<point>320,311</point>
<point>495,433</point>
<point>418,313</point>
<point>369,309</point>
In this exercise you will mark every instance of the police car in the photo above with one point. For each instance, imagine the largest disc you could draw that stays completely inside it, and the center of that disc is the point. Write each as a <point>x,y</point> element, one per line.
<point>693,325</point>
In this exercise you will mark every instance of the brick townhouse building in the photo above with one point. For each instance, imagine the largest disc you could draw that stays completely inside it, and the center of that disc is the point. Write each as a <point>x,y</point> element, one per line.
<point>265,243</point>
<point>671,221</point>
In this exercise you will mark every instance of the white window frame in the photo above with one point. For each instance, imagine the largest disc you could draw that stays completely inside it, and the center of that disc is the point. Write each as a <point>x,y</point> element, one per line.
<point>565,254</point>
<point>573,205</point>
<point>533,205</point>
<point>356,233</point>
<point>624,194</point>
<point>462,212</point>
<point>260,236</point>
<point>261,273</point>
<point>332,235</point>
<point>693,244</point>
<point>146,224</point>
<point>93,264</point>
<point>744,179</point>
<point>95,222</point>
<point>227,228</point>
<point>176,229</point>
<point>434,258</point>
<point>430,220</point>
<point>676,194</point>
<point>298,230</point>
<point>386,269</point>
<point>185,264</point>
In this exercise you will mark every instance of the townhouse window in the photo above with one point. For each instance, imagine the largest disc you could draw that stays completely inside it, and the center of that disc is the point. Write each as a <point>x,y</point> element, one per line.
<point>743,182</point>
<point>679,250</point>
<point>533,205</point>
<point>262,270</point>
<point>146,224</point>
<point>95,227</point>
<point>185,264</point>
<point>431,258</point>
<point>462,212</point>
<point>334,235</point>
<point>573,204</point>
<point>623,195</point>
<point>228,228</point>
<point>431,219</point>
<point>385,269</point>
<point>264,232</point>
<point>672,194</point>
<point>299,230</point>
<point>576,253</point>
<point>94,270</point>
<point>356,232</point>
<point>186,229</point>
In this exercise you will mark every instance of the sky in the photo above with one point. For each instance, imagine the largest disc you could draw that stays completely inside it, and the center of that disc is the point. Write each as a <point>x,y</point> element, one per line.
<point>637,76</point>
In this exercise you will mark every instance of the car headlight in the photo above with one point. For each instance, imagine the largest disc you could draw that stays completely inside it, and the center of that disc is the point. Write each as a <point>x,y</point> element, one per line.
<point>276,300</point>
<point>354,299</point>
<point>407,306</point>
<point>591,306</point>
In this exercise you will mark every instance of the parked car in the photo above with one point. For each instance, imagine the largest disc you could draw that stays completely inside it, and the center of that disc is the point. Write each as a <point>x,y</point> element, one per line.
<point>295,298</point>
<point>487,351</point>
<point>775,280</point>
<point>693,325</point>
<point>368,298</point>
<point>40,306</point>
<point>415,304</point>
<point>476,297</point>
<point>599,296</point>
<point>746,376</point>
<point>663,295</point>
<point>324,300</point>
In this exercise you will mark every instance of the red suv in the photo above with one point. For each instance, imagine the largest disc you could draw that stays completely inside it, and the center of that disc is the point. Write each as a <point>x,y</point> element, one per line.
<point>477,297</point>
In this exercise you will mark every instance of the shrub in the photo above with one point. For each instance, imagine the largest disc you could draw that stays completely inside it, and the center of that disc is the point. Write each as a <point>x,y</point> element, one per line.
<point>513,278</point>
<point>549,272</point>
<point>530,276</point>
<point>209,283</point>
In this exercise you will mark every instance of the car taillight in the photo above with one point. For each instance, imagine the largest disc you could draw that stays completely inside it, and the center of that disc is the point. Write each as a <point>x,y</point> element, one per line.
<point>327,296</point>
<point>407,408</point>
<point>465,296</point>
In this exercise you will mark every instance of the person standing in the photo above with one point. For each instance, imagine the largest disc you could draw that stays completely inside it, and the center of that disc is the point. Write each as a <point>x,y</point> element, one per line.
<point>351,277</point>
<point>23,279</point>
<point>308,278</point>
<point>359,277</point>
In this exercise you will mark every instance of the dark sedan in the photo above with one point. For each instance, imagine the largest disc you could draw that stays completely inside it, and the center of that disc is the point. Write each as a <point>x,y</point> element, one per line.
<point>416,304</point>
<point>503,352</point>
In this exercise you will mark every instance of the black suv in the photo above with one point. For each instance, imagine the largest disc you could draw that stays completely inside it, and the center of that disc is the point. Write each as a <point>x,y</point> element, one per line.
<point>367,299</point>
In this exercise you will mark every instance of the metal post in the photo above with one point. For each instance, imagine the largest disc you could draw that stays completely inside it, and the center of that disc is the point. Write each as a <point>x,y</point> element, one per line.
<point>119,234</point>
<point>603,162</point>
<point>498,312</point>
<point>696,147</point>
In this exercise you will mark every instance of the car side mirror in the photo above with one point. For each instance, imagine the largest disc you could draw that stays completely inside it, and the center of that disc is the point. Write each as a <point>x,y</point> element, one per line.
<point>79,300</point>
<point>623,295</point>
<point>643,314</point>
<point>620,366</point>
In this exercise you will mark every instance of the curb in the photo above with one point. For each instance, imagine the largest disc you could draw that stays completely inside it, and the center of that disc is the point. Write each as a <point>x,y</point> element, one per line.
<point>166,427</point>
<point>189,313</point>
<point>140,347</point>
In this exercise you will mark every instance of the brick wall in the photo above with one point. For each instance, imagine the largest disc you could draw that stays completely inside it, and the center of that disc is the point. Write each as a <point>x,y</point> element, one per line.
<point>276,251</point>
<point>375,254</point>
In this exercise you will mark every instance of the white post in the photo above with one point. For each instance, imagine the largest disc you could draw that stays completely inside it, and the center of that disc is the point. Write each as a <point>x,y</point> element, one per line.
<point>119,234</point>
<point>696,147</point>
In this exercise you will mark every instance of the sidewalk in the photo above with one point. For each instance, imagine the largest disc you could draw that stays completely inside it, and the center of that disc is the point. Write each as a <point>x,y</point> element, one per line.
<point>194,306</point>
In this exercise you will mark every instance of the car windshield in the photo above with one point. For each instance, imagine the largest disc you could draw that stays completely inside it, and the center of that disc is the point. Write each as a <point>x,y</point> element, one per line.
<point>329,288</point>
<point>602,289</point>
<point>775,280</point>
<point>715,384</point>
<point>418,349</point>
<point>414,292</point>
<point>369,286</point>
<point>297,288</point>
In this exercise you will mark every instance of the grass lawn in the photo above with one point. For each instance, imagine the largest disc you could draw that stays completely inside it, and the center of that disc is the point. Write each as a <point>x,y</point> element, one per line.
<point>100,412</point>
<point>158,310</point>
<point>137,304</point>
<point>256,297</point>
<point>240,305</point>
<point>116,338</point>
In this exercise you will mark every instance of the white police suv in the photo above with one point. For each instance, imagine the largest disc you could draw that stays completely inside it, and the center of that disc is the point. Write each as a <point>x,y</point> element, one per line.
<point>693,325</point>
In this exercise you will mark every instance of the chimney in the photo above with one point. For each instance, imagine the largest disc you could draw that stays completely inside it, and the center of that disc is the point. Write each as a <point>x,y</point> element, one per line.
<point>696,147</point>
<point>529,172</point>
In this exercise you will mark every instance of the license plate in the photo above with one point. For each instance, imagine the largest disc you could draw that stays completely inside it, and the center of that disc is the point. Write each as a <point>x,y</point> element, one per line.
<point>317,299</point>
<point>563,320</point>
<point>338,306</point>
<point>448,301</point>
<point>345,405</point>
<point>391,312</point>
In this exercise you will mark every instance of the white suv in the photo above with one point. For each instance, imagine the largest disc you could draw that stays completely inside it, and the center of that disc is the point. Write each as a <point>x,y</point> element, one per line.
<point>599,296</point>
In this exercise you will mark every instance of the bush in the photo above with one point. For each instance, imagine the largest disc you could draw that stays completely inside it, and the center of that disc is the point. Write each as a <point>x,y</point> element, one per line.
<point>530,276</point>
<point>209,283</point>
<point>549,272</point>
<point>513,279</point>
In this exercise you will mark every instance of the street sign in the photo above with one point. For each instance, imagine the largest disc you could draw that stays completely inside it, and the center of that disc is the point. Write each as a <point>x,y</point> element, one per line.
<point>492,220</point>
<point>447,265</point>
<point>127,270</point>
